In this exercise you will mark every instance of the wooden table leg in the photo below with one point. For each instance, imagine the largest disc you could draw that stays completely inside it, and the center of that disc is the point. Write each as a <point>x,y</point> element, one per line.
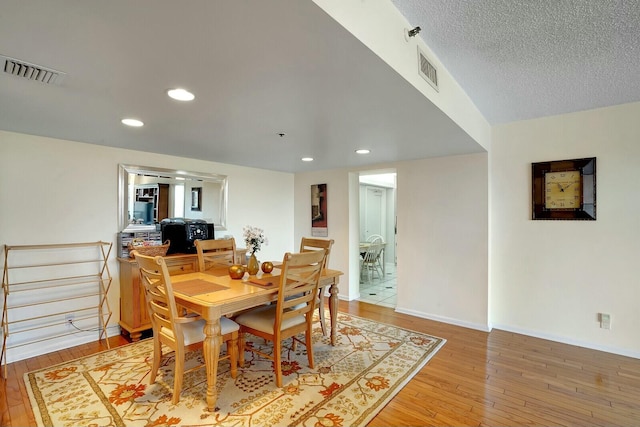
<point>323,322</point>
<point>211,352</point>
<point>333,309</point>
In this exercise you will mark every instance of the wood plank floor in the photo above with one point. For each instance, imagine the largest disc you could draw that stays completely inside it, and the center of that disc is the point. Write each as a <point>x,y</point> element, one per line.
<point>476,379</point>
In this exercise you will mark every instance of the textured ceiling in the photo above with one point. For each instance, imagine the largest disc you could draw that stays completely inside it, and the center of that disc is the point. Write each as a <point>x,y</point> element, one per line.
<point>522,59</point>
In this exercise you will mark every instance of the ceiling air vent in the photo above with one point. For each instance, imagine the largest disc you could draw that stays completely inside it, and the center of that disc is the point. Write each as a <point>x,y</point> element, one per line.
<point>30,71</point>
<point>427,70</point>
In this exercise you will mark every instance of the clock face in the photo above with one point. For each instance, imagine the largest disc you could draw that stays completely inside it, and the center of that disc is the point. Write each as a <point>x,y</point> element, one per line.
<point>563,189</point>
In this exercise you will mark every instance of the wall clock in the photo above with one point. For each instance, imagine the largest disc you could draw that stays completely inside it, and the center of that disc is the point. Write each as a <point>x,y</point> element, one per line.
<point>564,189</point>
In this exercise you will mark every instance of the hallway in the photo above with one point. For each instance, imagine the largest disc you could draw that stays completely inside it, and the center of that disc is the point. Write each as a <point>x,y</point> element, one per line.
<point>380,291</point>
<point>377,199</point>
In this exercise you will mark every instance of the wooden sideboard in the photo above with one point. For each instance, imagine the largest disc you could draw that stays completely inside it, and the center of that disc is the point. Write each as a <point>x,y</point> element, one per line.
<point>134,318</point>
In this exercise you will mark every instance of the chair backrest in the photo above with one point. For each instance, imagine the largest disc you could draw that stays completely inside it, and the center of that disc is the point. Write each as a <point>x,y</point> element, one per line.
<point>215,253</point>
<point>158,293</point>
<point>375,238</point>
<point>308,244</point>
<point>299,285</point>
<point>372,253</point>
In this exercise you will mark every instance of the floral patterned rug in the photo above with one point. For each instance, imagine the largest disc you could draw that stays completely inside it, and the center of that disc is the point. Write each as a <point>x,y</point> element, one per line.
<point>351,382</point>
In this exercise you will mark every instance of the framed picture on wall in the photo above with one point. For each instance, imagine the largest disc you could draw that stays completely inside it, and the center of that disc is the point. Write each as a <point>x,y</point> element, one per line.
<point>196,199</point>
<point>319,220</point>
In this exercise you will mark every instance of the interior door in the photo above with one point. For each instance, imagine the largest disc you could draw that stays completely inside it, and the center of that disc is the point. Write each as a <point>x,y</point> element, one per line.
<point>375,212</point>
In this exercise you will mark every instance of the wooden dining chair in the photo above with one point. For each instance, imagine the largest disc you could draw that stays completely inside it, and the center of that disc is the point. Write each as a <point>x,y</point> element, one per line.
<point>293,312</point>
<point>215,253</point>
<point>313,244</point>
<point>173,329</point>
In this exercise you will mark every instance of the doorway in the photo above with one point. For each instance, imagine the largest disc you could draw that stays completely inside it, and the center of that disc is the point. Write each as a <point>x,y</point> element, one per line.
<point>378,218</point>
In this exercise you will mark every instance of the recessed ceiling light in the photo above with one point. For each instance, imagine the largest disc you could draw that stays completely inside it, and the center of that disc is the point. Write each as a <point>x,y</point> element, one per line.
<point>363,151</point>
<point>307,159</point>
<point>132,122</point>
<point>181,94</point>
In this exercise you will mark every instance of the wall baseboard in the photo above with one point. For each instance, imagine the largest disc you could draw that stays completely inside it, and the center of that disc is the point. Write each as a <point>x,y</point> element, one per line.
<point>348,298</point>
<point>443,319</point>
<point>43,347</point>
<point>530,333</point>
<point>565,340</point>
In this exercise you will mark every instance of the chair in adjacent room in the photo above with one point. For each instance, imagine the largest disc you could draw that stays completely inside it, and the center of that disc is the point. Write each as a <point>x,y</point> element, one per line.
<point>215,253</point>
<point>313,244</point>
<point>173,329</point>
<point>376,238</point>
<point>293,312</point>
<point>369,264</point>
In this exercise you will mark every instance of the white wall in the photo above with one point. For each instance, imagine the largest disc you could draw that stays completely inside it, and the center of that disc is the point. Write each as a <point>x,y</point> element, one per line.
<point>547,278</point>
<point>552,278</point>
<point>338,211</point>
<point>443,239</point>
<point>55,191</point>
<point>442,208</point>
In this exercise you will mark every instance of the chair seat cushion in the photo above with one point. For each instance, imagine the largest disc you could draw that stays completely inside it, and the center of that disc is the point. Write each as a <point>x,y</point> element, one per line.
<point>227,326</point>
<point>194,331</point>
<point>263,318</point>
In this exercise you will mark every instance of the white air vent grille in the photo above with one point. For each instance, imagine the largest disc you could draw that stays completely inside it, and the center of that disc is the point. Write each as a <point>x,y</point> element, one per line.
<point>427,70</point>
<point>30,71</point>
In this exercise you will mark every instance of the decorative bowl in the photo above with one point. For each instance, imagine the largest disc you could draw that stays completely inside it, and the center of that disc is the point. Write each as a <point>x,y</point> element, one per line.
<point>236,271</point>
<point>267,267</point>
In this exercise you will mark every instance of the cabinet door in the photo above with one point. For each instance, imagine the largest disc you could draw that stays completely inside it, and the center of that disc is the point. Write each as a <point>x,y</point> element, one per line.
<point>140,312</point>
<point>374,209</point>
<point>134,317</point>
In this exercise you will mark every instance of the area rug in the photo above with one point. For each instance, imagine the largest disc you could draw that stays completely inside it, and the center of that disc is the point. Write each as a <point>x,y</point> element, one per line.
<point>350,384</point>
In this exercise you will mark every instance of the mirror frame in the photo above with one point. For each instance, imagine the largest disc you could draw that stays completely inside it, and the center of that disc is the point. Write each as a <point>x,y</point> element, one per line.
<point>123,190</point>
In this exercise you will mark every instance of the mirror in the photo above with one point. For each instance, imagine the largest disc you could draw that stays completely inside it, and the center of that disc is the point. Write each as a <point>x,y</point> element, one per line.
<point>146,195</point>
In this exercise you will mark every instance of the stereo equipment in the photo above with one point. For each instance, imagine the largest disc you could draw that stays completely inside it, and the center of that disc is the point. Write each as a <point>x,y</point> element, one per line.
<point>183,232</point>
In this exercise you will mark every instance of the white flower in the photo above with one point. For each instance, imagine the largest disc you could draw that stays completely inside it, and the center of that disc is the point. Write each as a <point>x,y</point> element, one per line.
<point>254,238</point>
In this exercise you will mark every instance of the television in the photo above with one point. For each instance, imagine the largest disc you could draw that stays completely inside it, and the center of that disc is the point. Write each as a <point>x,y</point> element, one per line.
<point>183,232</point>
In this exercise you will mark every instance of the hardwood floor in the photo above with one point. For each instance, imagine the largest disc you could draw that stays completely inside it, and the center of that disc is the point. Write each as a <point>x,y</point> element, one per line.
<point>476,379</point>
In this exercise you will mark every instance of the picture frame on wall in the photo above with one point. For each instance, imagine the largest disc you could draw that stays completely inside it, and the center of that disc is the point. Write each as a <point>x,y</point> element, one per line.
<point>196,199</point>
<point>319,220</point>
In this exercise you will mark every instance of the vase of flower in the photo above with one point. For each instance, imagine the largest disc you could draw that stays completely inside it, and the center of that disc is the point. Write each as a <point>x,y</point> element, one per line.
<point>253,238</point>
<point>253,266</point>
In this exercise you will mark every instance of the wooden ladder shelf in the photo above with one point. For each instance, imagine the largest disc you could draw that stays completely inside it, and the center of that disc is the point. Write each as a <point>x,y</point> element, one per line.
<point>48,289</point>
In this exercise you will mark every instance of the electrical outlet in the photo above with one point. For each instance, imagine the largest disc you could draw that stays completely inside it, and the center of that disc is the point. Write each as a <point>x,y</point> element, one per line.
<point>68,320</point>
<point>605,321</point>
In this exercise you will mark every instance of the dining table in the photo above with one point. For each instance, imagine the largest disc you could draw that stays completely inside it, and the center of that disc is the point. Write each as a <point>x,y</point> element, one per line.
<point>214,293</point>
